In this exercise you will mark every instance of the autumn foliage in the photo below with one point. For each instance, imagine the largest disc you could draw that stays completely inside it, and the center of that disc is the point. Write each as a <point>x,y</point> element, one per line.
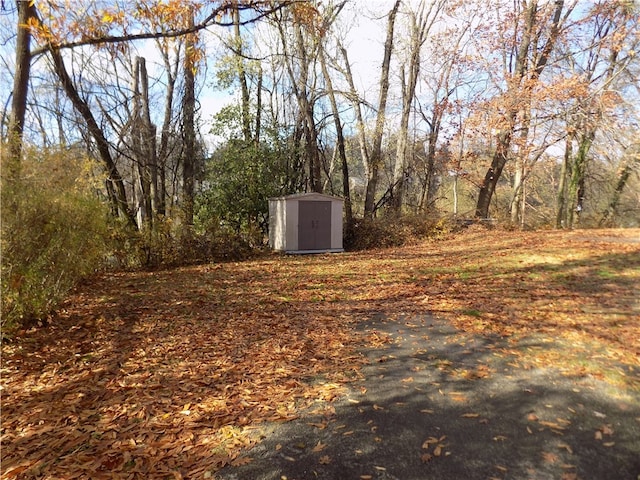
<point>167,373</point>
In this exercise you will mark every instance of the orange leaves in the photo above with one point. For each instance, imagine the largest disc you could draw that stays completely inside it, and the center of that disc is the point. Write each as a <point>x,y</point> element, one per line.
<point>438,448</point>
<point>604,430</point>
<point>151,372</point>
<point>170,381</point>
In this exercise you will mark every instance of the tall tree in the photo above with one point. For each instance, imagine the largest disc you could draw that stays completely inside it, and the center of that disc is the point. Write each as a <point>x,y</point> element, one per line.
<point>356,103</point>
<point>189,129</point>
<point>340,143</point>
<point>375,158</point>
<point>27,15</point>
<point>534,36</point>
<point>420,23</point>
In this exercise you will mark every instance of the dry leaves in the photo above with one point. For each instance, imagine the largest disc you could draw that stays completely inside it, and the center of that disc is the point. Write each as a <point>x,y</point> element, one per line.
<point>163,374</point>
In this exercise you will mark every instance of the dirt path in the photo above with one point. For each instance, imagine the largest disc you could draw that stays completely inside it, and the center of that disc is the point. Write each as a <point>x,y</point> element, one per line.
<point>436,403</point>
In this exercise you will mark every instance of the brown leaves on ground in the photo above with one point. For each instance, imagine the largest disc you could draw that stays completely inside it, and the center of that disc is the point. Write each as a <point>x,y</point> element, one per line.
<point>165,374</point>
<point>578,288</point>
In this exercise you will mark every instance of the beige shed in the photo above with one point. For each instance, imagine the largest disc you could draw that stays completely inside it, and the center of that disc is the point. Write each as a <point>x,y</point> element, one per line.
<point>306,223</point>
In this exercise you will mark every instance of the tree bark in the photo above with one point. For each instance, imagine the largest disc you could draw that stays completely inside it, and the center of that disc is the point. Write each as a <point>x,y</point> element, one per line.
<point>376,152</point>
<point>81,106</point>
<point>626,171</point>
<point>242,76</point>
<point>340,143</point>
<point>189,133</point>
<point>163,152</point>
<point>144,146</point>
<point>26,11</point>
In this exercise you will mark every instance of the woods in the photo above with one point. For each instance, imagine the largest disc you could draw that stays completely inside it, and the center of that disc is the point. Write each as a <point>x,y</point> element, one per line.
<point>190,115</point>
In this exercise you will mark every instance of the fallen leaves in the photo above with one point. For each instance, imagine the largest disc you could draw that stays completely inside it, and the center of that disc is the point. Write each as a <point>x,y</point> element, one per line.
<point>438,448</point>
<point>153,373</point>
<point>178,368</point>
<point>604,430</point>
<point>319,446</point>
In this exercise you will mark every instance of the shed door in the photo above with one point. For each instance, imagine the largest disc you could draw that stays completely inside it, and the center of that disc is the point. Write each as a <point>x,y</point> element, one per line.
<point>314,225</point>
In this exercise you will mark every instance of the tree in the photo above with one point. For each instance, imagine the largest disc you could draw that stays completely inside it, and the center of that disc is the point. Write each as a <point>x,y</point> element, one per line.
<point>340,142</point>
<point>447,73</point>
<point>610,30</point>
<point>188,128</point>
<point>631,164</point>
<point>300,55</point>
<point>116,184</point>
<point>420,24</point>
<point>27,14</point>
<point>534,35</point>
<point>375,158</point>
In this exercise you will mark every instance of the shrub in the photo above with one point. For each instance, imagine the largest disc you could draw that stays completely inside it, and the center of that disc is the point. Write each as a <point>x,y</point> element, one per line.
<point>393,232</point>
<point>54,233</point>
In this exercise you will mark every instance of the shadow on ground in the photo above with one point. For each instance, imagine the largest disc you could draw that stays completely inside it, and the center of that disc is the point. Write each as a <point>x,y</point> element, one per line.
<point>435,403</point>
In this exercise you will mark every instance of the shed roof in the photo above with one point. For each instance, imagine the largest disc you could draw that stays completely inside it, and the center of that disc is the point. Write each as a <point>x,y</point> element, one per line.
<point>308,194</point>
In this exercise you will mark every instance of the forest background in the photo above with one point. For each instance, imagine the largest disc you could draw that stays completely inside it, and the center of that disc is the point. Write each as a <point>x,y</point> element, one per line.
<point>523,113</point>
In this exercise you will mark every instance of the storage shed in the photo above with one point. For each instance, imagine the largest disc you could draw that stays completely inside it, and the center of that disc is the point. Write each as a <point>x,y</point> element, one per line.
<point>306,223</point>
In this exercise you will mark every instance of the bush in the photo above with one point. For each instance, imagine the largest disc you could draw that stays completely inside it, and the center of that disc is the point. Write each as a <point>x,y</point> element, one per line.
<point>54,233</point>
<point>171,244</point>
<point>394,232</point>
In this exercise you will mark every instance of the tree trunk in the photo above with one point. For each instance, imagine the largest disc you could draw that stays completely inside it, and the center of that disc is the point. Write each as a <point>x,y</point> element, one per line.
<point>576,187</point>
<point>355,103</point>
<point>498,161</point>
<point>625,173</point>
<point>162,155</point>
<point>565,174</point>
<point>189,132</point>
<point>307,109</point>
<point>26,11</point>
<point>376,152</point>
<point>244,88</point>
<point>149,142</point>
<point>140,139</point>
<point>429,190</point>
<point>258,129</point>
<point>113,175</point>
<point>340,144</point>
<point>306,121</point>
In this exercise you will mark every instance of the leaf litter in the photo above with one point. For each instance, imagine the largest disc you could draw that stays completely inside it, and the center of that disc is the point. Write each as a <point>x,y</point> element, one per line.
<point>168,373</point>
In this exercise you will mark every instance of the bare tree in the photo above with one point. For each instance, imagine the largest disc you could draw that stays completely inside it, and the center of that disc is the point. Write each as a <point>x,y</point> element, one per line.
<point>26,12</point>
<point>375,158</point>
<point>421,20</point>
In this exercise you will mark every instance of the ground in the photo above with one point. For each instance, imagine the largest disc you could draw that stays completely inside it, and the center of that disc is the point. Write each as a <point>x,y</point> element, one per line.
<point>437,403</point>
<point>485,354</point>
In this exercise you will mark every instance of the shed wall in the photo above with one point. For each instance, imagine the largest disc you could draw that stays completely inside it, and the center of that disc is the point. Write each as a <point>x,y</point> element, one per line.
<point>277,224</point>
